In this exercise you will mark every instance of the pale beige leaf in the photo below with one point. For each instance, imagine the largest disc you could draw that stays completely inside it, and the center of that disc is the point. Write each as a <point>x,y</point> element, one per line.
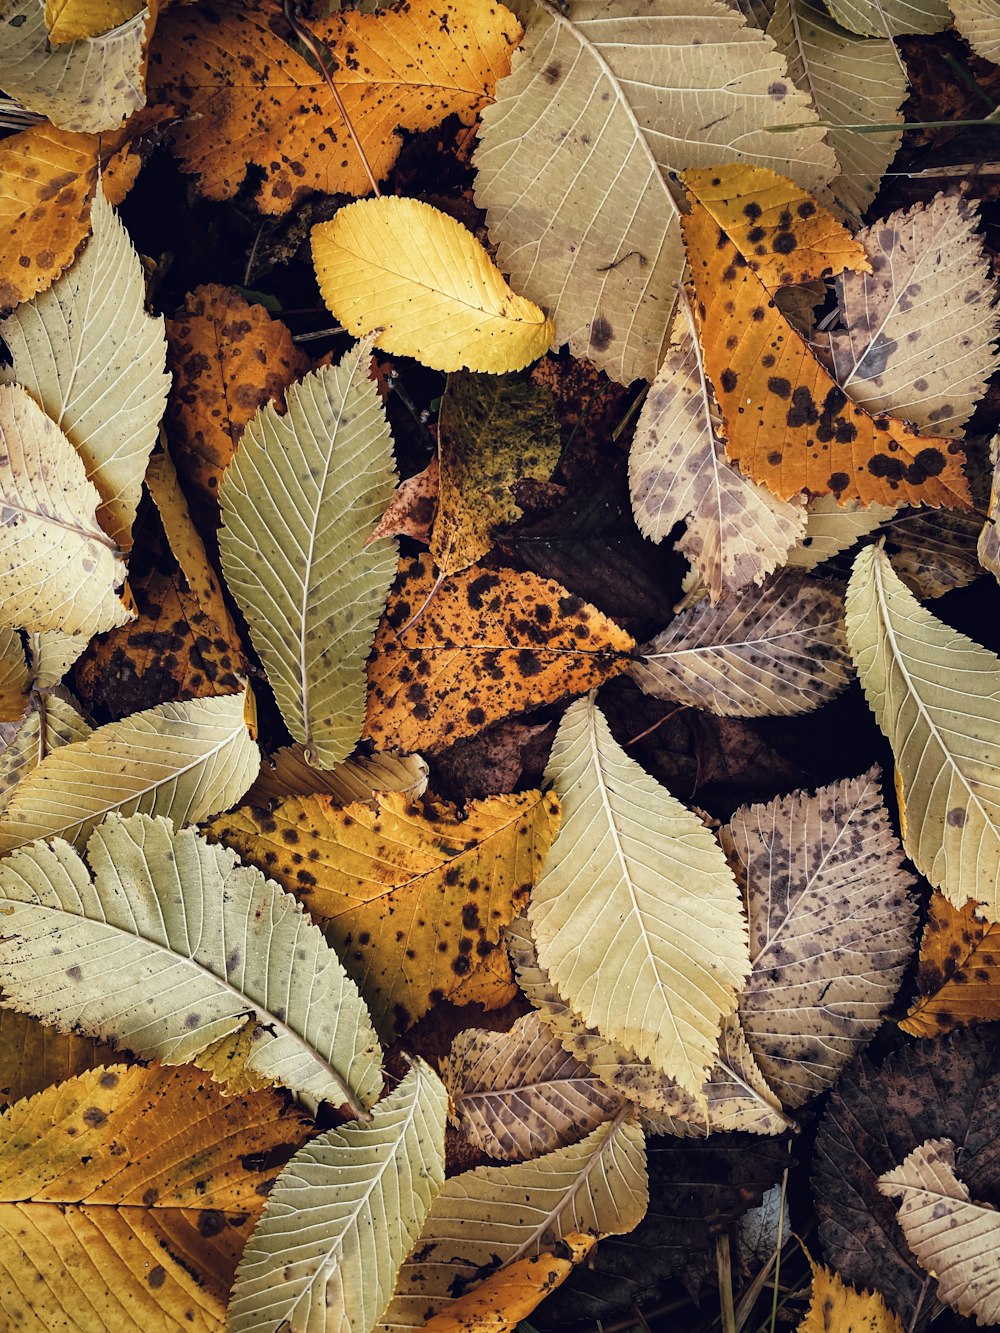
<point>737,531</point>
<point>831,927</point>
<point>852,81</point>
<point>989,538</point>
<point>734,1097</point>
<point>519,1094</point>
<point>86,350</point>
<point>50,722</point>
<point>183,760</point>
<point>172,945</point>
<point>979,23</point>
<point>356,779</point>
<point>935,696</point>
<point>484,1220</point>
<point>775,650</point>
<point>58,568</point>
<point>831,527</point>
<point>890,18</point>
<point>52,655</point>
<point>15,679</point>
<point>574,156</point>
<point>342,1217</point>
<point>636,915</point>
<point>956,1240</point>
<point>91,85</point>
<point>298,502</point>
<point>918,331</point>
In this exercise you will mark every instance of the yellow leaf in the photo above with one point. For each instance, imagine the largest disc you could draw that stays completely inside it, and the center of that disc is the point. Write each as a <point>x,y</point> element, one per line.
<point>76,20</point>
<point>355,779</point>
<point>838,1308</point>
<point>15,680</point>
<point>426,284</point>
<point>33,1055</point>
<point>498,1304</point>
<point>491,984</point>
<point>958,978</point>
<point>408,895</point>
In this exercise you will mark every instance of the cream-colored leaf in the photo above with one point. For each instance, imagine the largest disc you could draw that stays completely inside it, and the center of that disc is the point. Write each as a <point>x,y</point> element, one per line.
<point>919,332</point>
<point>52,655</point>
<point>779,649</point>
<point>890,18</point>
<point>636,915</point>
<point>989,538</point>
<point>734,1097</point>
<point>359,778</point>
<point>50,722</point>
<point>737,532</point>
<point>979,23</point>
<point>342,1217</point>
<point>519,1094</point>
<point>90,86</point>
<point>58,568</point>
<point>852,81</point>
<point>15,679</point>
<point>832,527</point>
<point>86,350</point>
<point>183,760</point>
<point>935,697</point>
<point>485,1219</point>
<point>172,945</point>
<point>298,500</point>
<point>956,1240</point>
<point>574,156</point>
<point>831,927</point>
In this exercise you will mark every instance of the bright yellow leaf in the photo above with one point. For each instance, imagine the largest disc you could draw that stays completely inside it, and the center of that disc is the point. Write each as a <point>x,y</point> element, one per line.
<point>76,20</point>
<point>838,1308</point>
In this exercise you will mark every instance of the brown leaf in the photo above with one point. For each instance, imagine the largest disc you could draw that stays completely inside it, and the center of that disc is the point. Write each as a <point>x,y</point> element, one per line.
<point>958,979</point>
<point>412,509</point>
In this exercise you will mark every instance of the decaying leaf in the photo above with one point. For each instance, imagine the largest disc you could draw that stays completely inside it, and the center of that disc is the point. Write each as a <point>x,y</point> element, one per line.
<point>636,916</point>
<point>426,288</point>
<point>227,358</point>
<point>779,649</point>
<point>594,115</point>
<point>958,977</point>
<point>171,946</point>
<point>343,1215</point>
<point>955,1239</point>
<point>15,679</point>
<point>182,760</point>
<point>33,1056</point>
<point>58,568</point>
<point>933,694</point>
<point>737,532</point>
<point>833,1305</point>
<point>413,507</point>
<point>76,20</point>
<point>89,354</point>
<point>491,642</point>
<point>491,432</point>
<point>392,882</point>
<point>52,655</point>
<point>105,1221</point>
<point>831,921</point>
<point>49,723</point>
<point>787,422</point>
<point>919,329</point>
<point>253,100</point>
<point>519,1094</point>
<point>298,501</point>
<point>486,1219</point>
<point>979,23</point>
<point>356,779</point>
<point>891,18</point>
<point>988,546</point>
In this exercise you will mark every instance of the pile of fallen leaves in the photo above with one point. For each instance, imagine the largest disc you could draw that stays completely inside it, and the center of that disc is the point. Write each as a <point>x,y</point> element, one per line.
<point>420,895</point>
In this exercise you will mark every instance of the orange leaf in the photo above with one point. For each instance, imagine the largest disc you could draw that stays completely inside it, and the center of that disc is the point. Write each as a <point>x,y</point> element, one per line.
<point>788,424</point>
<point>252,99</point>
<point>958,977</point>
<point>490,643</point>
<point>490,984</point>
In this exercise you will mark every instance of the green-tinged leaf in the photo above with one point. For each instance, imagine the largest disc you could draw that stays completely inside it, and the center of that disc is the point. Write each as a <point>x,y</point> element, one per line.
<point>183,760</point>
<point>86,350</point>
<point>934,694</point>
<point>172,945</point>
<point>298,501</point>
<point>636,916</point>
<point>342,1217</point>
<point>486,1219</point>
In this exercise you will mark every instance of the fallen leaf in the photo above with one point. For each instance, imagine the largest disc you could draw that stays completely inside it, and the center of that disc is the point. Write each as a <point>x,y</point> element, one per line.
<point>988,545</point>
<point>298,501</point>
<point>356,779</point>
<point>393,73</point>
<point>76,20</point>
<point>636,915</point>
<point>424,286</point>
<point>227,359</point>
<point>891,18</point>
<point>413,507</point>
<point>58,568</point>
<point>491,643</point>
<point>958,977</point>
<point>979,23</point>
<point>92,358</point>
<point>15,679</point>
<point>33,1056</point>
<point>183,760</point>
<point>851,454</point>
<point>141,978</point>
<point>831,921</point>
<point>52,655</point>
<point>592,116</point>
<point>49,723</point>
<point>779,649</point>
<point>408,894</point>
<point>490,984</point>
<point>835,1306</point>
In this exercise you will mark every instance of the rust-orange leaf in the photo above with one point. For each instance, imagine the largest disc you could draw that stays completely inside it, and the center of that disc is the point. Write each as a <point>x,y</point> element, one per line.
<point>958,978</point>
<point>788,424</point>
